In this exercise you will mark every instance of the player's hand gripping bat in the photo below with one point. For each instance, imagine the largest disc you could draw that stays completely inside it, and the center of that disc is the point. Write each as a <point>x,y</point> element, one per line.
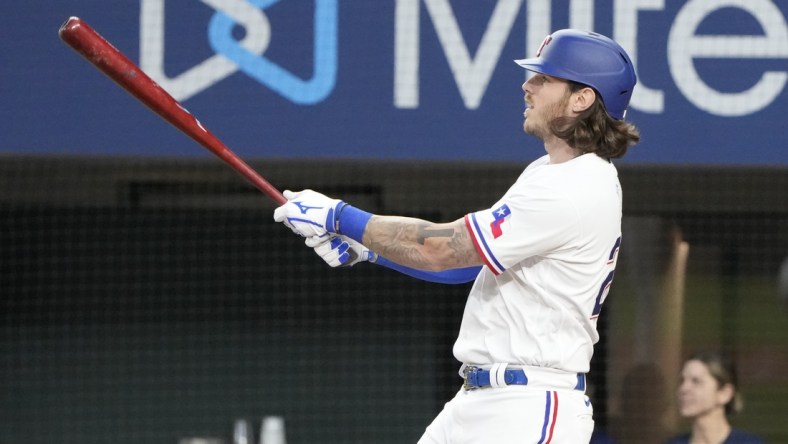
<point>109,60</point>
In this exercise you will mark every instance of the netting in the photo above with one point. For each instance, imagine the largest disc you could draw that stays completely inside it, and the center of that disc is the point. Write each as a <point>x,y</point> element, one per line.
<point>150,300</point>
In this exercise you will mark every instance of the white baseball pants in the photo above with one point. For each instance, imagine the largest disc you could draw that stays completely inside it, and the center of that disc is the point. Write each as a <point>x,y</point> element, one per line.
<point>513,415</point>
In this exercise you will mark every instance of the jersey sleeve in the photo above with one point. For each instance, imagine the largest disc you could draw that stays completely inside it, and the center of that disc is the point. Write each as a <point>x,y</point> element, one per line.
<point>532,219</point>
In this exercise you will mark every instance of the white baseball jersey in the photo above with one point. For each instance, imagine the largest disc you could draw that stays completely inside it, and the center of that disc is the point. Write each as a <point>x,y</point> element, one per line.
<point>550,246</point>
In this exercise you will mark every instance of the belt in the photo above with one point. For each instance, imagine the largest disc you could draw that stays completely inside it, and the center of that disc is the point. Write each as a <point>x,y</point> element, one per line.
<point>500,376</point>
<point>476,377</point>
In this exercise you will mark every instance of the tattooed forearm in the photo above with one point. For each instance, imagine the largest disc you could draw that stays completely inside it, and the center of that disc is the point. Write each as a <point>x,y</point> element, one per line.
<point>397,239</point>
<point>421,244</point>
<point>462,248</point>
<point>425,232</point>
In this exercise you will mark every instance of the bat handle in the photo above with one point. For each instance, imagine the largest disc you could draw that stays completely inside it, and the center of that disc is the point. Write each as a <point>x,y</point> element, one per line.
<point>257,180</point>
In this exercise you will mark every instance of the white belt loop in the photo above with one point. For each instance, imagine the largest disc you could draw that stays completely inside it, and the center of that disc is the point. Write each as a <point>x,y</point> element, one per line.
<point>498,375</point>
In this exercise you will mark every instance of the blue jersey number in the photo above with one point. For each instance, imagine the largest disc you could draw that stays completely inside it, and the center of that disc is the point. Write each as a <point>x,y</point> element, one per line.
<point>604,289</point>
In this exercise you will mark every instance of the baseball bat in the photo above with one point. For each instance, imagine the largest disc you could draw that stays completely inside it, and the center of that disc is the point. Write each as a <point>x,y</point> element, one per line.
<point>109,60</point>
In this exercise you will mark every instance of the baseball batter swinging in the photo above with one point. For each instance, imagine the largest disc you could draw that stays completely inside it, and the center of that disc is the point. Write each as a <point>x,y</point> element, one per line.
<point>542,257</point>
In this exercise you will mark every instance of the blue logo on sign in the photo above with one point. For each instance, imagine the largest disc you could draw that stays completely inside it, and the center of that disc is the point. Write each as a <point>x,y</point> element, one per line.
<point>274,76</point>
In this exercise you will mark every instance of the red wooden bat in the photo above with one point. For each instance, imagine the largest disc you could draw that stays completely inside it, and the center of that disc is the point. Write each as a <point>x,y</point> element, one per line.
<point>109,60</point>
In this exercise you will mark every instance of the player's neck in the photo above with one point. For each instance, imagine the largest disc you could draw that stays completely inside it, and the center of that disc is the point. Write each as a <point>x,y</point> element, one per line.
<point>559,152</point>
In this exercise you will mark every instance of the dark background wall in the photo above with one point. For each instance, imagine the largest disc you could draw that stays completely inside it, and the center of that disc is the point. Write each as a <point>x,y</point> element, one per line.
<point>150,300</point>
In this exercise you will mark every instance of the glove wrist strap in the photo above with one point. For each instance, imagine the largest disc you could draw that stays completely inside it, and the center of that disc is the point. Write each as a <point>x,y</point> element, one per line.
<point>352,222</point>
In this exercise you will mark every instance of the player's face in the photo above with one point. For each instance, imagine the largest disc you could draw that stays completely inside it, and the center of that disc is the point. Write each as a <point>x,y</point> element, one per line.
<point>546,99</point>
<point>699,394</point>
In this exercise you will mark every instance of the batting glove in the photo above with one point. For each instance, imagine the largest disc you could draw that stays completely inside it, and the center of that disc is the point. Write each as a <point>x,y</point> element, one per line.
<point>339,250</point>
<point>308,213</point>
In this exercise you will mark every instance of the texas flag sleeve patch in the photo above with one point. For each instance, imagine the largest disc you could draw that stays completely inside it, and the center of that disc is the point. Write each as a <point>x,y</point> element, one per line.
<point>499,217</point>
<point>477,224</point>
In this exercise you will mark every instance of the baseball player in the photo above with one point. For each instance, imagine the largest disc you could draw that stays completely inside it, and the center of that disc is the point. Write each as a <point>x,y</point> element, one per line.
<point>542,257</point>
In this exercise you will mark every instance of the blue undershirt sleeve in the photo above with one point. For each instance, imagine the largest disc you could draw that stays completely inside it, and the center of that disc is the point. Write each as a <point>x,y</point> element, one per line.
<point>453,276</point>
<point>352,222</point>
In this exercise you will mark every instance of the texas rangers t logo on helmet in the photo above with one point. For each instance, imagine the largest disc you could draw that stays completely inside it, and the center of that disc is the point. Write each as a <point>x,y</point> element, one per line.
<point>545,42</point>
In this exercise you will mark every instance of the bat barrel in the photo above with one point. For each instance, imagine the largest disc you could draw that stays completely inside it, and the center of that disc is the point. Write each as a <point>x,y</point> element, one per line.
<point>109,60</point>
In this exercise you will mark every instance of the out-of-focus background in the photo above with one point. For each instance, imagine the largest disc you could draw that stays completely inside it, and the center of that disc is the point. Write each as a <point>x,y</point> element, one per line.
<point>147,295</point>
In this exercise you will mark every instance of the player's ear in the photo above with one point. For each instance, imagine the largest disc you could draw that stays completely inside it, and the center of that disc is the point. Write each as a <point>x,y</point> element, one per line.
<point>582,99</point>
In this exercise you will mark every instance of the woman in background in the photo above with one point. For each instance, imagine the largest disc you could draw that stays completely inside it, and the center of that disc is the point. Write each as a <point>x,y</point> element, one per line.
<point>708,396</point>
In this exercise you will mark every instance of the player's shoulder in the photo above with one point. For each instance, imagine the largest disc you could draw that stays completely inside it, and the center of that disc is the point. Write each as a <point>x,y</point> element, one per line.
<point>541,161</point>
<point>585,170</point>
<point>584,162</point>
<point>592,161</point>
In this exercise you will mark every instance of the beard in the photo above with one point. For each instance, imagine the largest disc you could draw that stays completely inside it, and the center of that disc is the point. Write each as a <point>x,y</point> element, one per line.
<point>541,127</point>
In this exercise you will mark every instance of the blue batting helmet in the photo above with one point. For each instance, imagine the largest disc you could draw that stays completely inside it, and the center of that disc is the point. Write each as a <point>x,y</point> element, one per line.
<point>591,59</point>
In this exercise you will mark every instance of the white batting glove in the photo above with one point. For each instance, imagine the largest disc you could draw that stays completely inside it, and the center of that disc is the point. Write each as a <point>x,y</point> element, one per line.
<point>308,213</point>
<point>340,251</point>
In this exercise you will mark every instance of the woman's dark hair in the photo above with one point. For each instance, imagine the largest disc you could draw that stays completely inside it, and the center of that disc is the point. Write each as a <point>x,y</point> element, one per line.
<point>594,131</point>
<point>723,370</point>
